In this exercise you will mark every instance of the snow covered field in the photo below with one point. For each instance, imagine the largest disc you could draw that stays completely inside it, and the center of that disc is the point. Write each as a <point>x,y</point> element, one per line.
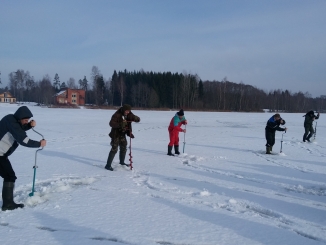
<point>222,190</point>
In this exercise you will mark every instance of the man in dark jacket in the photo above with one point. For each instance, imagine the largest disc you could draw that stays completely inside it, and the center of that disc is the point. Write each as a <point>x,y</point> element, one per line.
<point>12,133</point>
<point>121,126</point>
<point>272,125</point>
<point>308,121</point>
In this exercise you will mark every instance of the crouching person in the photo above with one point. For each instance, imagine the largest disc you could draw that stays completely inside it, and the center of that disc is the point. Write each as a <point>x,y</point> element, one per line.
<point>273,125</point>
<point>12,134</point>
<point>174,128</point>
<point>121,126</point>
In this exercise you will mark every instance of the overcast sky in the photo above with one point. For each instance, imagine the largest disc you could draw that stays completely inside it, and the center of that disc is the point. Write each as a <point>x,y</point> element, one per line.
<point>277,44</point>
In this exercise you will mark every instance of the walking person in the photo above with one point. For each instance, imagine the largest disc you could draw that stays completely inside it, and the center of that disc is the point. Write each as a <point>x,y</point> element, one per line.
<point>121,126</point>
<point>12,134</point>
<point>310,117</point>
<point>174,128</point>
<point>273,125</point>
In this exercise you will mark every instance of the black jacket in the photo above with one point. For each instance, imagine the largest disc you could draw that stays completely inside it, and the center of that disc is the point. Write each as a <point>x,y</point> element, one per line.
<point>309,118</point>
<point>273,125</point>
<point>12,133</point>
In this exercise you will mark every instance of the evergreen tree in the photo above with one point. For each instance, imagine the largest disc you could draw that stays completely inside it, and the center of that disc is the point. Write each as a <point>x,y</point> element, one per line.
<point>63,86</point>
<point>100,88</point>
<point>200,90</point>
<point>83,84</point>
<point>114,89</point>
<point>56,83</point>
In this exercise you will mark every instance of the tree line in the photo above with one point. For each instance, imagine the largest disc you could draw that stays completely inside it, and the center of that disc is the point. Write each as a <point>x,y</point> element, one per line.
<point>162,90</point>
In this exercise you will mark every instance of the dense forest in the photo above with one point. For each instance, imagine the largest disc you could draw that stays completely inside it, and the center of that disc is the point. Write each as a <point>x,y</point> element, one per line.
<point>158,90</point>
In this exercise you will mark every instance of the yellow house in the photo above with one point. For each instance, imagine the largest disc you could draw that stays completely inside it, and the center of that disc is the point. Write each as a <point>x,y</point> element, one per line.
<point>6,97</point>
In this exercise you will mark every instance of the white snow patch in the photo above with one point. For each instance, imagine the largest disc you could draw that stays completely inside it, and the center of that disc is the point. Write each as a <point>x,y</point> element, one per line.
<point>232,201</point>
<point>223,188</point>
<point>205,193</point>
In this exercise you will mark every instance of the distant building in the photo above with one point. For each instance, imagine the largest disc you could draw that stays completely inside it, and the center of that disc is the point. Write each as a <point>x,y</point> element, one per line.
<point>323,96</point>
<point>6,97</point>
<point>69,96</point>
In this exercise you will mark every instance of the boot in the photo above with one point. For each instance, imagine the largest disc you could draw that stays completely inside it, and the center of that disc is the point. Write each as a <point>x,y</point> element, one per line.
<point>271,148</point>
<point>8,197</point>
<point>268,150</point>
<point>309,136</point>
<point>109,161</point>
<point>176,150</point>
<point>122,157</point>
<point>170,151</point>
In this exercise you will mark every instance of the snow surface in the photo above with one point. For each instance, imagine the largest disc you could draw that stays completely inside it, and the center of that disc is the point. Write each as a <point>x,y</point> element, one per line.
<point>222,190</point>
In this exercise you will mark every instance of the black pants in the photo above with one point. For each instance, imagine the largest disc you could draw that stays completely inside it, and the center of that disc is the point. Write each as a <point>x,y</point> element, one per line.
<point>6,170</point>
<point>270,137</point>
<point>308,131</point>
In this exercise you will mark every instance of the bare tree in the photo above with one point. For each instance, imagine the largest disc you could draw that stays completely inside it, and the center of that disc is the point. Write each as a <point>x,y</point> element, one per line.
<point>188,90</point>
<point>30,85</point>
<point>46,90</point>
<point>17,82</point>
<point>20,78</point>
<point>71,83</point>
<point>95,75</point>
<point>140,94</point>
<point>107,91</point>
<point>13,82</point>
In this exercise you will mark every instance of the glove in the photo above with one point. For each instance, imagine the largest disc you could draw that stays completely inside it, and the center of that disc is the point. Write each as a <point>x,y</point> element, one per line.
<point>136,119</point>
<point>282,121</point>
<point>32,123</point>
<point>130,134</point>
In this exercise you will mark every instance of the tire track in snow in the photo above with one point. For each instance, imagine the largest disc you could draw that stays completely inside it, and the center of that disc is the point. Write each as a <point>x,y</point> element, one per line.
<point>213,201</point>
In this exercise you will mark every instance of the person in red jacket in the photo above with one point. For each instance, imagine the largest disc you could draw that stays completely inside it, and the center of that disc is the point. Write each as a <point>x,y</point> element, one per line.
<point>174,129</point>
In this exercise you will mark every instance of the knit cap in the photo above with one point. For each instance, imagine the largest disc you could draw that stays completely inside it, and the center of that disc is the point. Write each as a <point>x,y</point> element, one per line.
<point>126,107</point>
<point>180,113</point>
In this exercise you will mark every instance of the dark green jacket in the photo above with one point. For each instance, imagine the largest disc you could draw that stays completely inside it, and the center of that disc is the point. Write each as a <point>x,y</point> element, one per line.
<point>309,118</point>
<point>116,122</point>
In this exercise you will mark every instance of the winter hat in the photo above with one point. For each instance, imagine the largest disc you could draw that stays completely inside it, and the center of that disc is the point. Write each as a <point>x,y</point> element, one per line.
<point>180,113</point>
<point>126,107</point>
<point>23,113</point>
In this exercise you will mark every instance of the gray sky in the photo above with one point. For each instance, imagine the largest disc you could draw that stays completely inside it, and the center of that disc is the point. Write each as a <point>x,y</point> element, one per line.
<point>279,44</point>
